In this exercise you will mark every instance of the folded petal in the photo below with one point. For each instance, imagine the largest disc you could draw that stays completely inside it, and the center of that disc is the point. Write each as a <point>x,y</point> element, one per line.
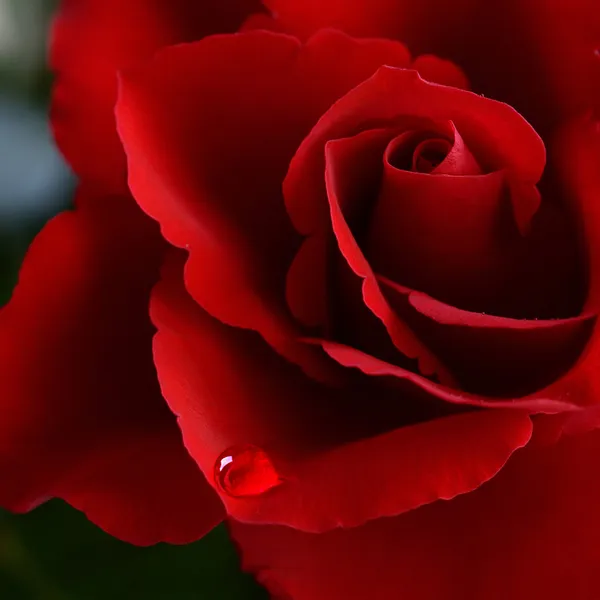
<point>453,237</point>
<point>83,417</point>
<point>311,276</point>
<point>491,355</point>
<point>232,110</point>
<point>401,335</point>
<point>395,97</point>
<point>91,41</point>
<point>230,390</point>
<point>359,481</point>
<point>474,240</point>
<point>406,383</point>
<point>531,532</point>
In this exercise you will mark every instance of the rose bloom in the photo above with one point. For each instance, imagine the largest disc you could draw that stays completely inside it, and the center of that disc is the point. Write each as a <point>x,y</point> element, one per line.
<point>334,279</point>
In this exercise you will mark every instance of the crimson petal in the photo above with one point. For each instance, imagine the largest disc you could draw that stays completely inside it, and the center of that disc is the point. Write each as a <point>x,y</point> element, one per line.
<point>91,41</point>
<point>489,130</point>
<point>531,532</point>
<point>493,355</point>
<point>227,388</point>
<point>407,381</point>
<point>83,417</point>
<point>307,279</point>
<point>453,237</point>
<point>401,335</point>
<point>576,150</point>
<point>231,105</point>
<point>537,55</point>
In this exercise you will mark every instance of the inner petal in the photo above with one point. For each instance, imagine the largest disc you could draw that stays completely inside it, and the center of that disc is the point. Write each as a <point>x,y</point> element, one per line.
<point>429,155</point>
<point>465,236</point>
<point>438,151</point>
<point>490,355</point>
<point>345,203</point>
<point>451,237</point>
<point>401,151</point>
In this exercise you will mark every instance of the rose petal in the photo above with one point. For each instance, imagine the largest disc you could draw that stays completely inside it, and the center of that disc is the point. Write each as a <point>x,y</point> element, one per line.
<point>141,486</point>
<point>91,40</point>
<point>410,148</point>
<point>452,237</point>
<point>577,151</point>
<point>226,385</point>
<point>406,382</point>
<point>531,532</point>
<point>457,160</point>
<point>564,40</point>
<point>363,480</point>
<point>254,414</point>
<point>493,355</point>
<point>83,417</point>
<point>382,18</point>
<point>438,70</point>
<point>261,21</point>
<point>226,107</point>
<point>307,281</point>
<point>229,389</point>
<point>309,277</point>
<point>322,290</point>
<point>536,55</point>
<point>488,128</point>
<point>401,335</point>
<point>320,286</point>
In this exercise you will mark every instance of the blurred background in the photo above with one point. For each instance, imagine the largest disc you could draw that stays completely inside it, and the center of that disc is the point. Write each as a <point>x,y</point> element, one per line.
<point>34,182</point>
<point>54,553</point>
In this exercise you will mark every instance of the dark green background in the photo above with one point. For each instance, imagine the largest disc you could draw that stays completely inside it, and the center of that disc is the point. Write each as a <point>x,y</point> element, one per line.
<point>54,553</point>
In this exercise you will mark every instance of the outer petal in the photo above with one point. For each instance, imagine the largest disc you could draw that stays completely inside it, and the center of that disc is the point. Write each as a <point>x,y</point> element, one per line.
<point>576,151</point>
<point>229,389</point>
<point>537,55</point>
<point>381,18</point>
<point>82,414</point>
<point>92,39</point>
<point>565,39</point>
<point>232,110</point>
<point>531,532</point>
<point>142,486</point>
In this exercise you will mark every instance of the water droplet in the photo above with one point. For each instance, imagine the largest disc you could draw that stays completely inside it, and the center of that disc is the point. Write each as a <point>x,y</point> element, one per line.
<point>244,471</point>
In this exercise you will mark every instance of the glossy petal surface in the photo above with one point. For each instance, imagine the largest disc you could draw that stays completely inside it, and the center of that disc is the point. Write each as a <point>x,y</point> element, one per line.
<point>231,105</point>
<point>229,389</point>
<point>91,41</point>
<point>531,532</point>
<point>83,417</point>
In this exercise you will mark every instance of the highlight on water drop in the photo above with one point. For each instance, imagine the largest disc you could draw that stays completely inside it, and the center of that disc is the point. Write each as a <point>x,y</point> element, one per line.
<point>245,470</point>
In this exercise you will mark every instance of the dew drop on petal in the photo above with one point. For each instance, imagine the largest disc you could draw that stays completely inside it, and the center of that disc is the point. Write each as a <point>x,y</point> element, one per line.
<point>245,470</point>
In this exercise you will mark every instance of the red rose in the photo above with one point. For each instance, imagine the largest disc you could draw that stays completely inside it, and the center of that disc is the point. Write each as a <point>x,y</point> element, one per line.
<point>365,308</point>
